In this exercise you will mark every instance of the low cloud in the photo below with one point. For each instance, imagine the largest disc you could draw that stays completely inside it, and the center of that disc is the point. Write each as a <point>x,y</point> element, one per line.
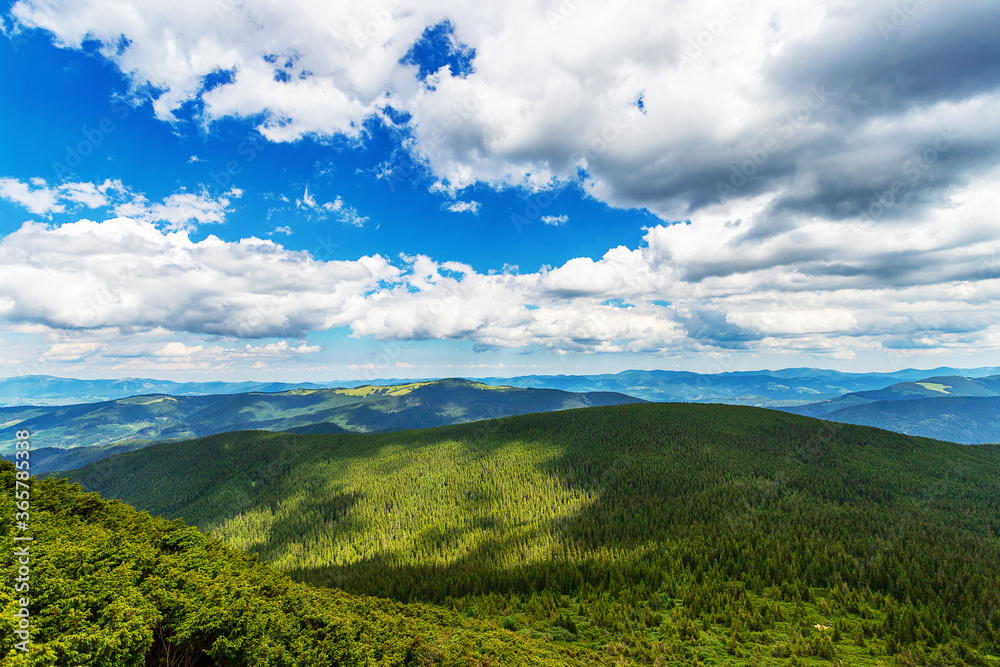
<point>817,286</point>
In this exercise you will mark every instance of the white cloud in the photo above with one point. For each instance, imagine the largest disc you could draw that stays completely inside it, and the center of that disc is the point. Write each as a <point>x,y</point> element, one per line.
<point>41,199</point>
<point>344,213</point>
<point>126,273</point>
<point>465,207</point>
<point>88,194</point>
<point>932,282</point>
<point>38,200</point>
<point>838,180</point>
<point>659,107</point>
<point>180,211</point>
<point>62,352</point>
<point>555,220</point>
<point>350,216</point>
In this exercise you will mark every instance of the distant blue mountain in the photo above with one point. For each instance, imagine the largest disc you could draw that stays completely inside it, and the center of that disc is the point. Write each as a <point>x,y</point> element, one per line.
<point>49,390</point>
<point>106,428</point>
<point>957,408</point>
<point>764,388</point>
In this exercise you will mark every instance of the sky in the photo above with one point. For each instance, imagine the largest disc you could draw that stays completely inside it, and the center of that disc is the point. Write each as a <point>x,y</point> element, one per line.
<point>244,189</point>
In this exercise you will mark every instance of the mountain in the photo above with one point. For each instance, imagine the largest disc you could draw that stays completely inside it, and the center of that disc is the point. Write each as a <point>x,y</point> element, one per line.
<point>671,534</point>
<point>118,424</point>
<point>970,420</point>
<point>48,390</point>
<point>928,387</point>
<point>765,388</point>
<point>955,408</point>
<point>108,586</point>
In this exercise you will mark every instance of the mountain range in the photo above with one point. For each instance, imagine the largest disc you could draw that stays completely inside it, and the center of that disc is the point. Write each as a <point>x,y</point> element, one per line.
<point>764,388</point>
<point>109,427</point>
<point>953,407</point>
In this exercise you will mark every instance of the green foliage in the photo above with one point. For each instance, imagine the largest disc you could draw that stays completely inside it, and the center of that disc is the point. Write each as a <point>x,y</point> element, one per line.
<point>659,534</point>
<point>112,587</point>
<point>111,427</point>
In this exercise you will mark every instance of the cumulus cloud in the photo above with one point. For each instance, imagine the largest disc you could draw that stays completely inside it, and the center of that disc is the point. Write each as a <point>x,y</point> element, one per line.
<point>672,106</point>
<point>833,163</point>
<point>818,286</point>
<point>127,273</point>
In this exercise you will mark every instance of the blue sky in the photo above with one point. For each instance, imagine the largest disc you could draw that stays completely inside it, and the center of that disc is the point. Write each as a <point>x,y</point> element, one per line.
<point>412,189</point>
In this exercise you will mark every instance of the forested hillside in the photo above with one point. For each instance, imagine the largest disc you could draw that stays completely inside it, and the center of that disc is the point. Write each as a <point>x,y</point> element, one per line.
<point>658,533</point>
<point>761,388</point>
<point>138,420</point>
<point>969,420</point>
<point>112,587</point>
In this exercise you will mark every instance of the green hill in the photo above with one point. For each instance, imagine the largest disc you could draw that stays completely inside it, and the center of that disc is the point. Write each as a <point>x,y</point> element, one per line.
<point>951,386</point>
<point>112,587</point>
<point>969,420</point>
<point>953,408</point>
<point>655,533</point>
<point>134,421</point>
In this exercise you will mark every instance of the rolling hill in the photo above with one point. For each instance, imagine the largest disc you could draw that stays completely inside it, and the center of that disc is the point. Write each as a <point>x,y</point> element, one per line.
<point>763,388</point>
<point>657,533</point>
<point>929,387</point>
<point>969,420</point>
<point>48,390</point>
<point>954,408</point>
<point>111,426</point>
<point>112,587</point>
